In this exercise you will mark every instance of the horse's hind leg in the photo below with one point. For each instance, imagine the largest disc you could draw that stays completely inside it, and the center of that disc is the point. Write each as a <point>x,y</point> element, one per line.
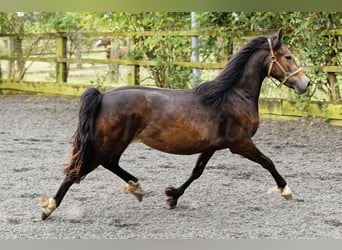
<point>48,205</point>
<point>174,193</point>
<point>133,185</point>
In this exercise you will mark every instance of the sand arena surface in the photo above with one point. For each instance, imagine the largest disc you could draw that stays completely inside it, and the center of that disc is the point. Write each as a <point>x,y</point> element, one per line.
<point>229,200</point>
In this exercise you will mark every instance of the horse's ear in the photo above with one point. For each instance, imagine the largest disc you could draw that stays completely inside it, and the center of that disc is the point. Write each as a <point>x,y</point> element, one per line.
<point>278,37</point>
<point>280,34</point>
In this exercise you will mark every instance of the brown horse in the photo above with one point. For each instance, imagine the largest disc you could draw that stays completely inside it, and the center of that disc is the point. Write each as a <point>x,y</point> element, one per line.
<point>117,52</point>
<point>111,53</point>
<point>218,114</point>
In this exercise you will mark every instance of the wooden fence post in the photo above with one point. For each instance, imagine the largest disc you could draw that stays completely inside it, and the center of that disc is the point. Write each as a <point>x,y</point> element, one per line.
<point>134,71</point>
<point>61,53</point>
<point>133,77</point>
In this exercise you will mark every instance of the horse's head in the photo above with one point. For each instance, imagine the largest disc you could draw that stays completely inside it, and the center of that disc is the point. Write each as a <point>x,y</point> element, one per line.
<point>103,41</point>
<point>283,67</point>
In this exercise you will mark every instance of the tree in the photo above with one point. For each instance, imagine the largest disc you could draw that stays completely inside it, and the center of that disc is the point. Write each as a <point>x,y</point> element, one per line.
<point>14,23</point>
<point>156,48</point>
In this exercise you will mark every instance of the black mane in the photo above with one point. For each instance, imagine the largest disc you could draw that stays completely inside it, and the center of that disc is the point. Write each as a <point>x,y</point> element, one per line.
<point>214,92</point>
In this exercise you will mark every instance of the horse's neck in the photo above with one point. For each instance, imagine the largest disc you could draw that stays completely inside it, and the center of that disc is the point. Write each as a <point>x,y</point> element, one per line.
<point>248,87</point>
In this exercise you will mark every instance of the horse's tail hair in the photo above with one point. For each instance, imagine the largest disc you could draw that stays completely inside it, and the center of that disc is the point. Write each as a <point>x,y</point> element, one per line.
<point>83,138</point>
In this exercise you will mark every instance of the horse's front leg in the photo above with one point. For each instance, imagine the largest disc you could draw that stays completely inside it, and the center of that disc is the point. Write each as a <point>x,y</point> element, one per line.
<point>174,193</point>
<point>247,149</point>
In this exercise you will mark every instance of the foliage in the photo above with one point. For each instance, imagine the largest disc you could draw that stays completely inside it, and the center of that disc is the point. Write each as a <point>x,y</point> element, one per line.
<point>317,47</point>
<point>33,22</point>
<point>159,49</point>
<point>307,34</point>
<point>14,23</point>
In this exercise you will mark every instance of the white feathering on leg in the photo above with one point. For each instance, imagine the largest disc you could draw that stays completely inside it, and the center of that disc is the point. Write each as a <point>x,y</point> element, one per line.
<point>47,204</point>
<point>135,189</point>
<point>285,192</point>
<point>274,190</point>
<point>44,201</point>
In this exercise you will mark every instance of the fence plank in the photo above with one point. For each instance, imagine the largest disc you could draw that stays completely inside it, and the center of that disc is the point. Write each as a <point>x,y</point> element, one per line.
<point>43,88</point>
<point>336,69</point>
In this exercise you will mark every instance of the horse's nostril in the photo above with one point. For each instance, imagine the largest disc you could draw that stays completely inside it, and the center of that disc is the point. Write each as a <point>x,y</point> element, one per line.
<point>309,83</point>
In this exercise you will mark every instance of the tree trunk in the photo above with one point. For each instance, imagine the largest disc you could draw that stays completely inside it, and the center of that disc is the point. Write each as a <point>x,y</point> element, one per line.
<point>18,52</point>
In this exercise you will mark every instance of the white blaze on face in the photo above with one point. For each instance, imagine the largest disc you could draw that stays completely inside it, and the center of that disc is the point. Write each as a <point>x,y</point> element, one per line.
<point>98,43</point>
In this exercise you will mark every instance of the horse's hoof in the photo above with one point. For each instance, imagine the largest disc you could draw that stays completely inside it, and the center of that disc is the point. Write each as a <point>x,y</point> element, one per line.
<point>285,192</point>
<point>170,191</point>
<point>44,216</point>
<point>288,197</point>
<point>171,202</point>
<point>139,196</point>
<point>171,194</point>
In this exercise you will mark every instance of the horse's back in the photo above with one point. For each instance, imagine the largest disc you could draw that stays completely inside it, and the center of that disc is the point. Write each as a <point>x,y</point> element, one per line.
<point>137,99</point>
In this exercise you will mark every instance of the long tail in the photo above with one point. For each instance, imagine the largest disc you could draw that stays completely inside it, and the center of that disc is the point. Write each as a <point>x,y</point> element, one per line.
<point>83,138</point>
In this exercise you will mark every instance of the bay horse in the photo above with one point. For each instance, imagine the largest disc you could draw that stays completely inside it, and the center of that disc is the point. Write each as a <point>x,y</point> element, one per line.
<point>218,114</point>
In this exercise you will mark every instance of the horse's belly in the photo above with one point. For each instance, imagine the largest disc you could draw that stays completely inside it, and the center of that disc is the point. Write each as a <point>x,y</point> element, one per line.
<point>176,148</point>
<point>176,141</point>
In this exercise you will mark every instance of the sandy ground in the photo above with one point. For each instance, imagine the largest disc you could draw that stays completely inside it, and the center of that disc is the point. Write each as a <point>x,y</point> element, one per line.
<point>228,201</point>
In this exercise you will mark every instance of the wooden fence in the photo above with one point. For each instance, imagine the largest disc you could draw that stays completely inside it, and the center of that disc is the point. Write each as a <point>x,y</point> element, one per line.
<point>61,60</point>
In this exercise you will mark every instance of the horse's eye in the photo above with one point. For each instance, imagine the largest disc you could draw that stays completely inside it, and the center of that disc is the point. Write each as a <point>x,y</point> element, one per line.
<point>288,57</point>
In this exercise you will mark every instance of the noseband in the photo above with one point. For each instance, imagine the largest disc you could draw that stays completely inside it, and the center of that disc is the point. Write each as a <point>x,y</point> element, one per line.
<point>274,61</point>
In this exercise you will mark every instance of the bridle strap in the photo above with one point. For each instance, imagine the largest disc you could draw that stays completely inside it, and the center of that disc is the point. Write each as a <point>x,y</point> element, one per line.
<point>274,61</point>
